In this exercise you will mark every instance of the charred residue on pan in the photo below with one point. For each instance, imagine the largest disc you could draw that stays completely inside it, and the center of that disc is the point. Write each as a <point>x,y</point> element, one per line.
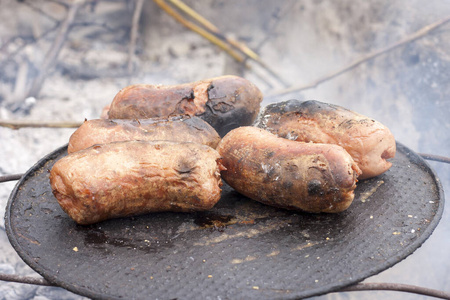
<point>214,221</point>
<point>95,237</point>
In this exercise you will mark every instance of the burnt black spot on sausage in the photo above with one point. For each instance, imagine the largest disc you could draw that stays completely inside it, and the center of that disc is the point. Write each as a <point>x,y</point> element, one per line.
<point>215,93</point>
<point>284,106</point>
<point>185,166</point>
<point>336,192</point>
<point>302,108</point>
<point>287,185</point>
<point>315,187</point>
<point>110,123</point>
<point>210,87</point>
<point>223,122</point>
<point>270,172</point>
<point>187,94</point>
<point>270,154</point>
<point>223,107</point>
<point>186,105</point>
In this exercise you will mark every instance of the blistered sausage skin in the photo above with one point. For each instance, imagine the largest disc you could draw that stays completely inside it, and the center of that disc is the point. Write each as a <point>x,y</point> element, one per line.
<point>369,142</point>
<point>288,174</point>
<point>135,177</point>
<point>224,102</point>
<point>179,128</point>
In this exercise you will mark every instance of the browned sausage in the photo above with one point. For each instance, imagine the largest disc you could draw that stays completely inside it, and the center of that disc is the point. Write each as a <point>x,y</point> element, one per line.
<point>179,128</point>
<point>224,102</point>
<point>369,142</point>
<point>136,177</point>
<point>288,174</point>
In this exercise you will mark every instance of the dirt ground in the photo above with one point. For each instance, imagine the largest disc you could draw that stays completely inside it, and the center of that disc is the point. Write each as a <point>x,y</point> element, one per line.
<point>302,41</point>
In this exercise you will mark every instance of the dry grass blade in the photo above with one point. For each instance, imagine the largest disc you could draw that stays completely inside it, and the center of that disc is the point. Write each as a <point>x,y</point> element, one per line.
<point>417,35</point>
<point>197,29</point>
<point>213,34</point>
<point>211,27</point>
<point>196,16</point>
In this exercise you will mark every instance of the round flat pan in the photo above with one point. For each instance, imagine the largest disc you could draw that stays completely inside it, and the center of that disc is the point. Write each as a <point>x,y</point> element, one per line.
<point>239,250</point>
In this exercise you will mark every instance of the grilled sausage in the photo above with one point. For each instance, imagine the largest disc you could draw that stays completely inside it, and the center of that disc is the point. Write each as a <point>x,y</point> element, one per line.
<point>224,102</point>
<point>369,142</point>
<point>179,128</point>
<point>135,177</point>
<point>288,174</point>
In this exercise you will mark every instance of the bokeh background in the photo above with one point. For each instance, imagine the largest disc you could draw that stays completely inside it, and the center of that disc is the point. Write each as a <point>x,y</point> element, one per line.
<point>345,46</point>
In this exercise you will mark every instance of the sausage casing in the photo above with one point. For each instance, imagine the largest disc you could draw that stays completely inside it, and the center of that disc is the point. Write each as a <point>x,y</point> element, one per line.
<point>225,102</point>
<point>369,142</point>
<point>288,174</point>
<point>179,128</point>
<point>136,177</point>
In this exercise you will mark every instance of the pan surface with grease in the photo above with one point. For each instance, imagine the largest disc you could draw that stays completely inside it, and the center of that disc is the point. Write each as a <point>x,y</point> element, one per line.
<point>239,249</point>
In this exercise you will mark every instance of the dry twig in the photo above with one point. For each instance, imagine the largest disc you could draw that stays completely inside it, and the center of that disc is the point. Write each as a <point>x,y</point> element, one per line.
<point>211,27</point>
<point>396,287</point>
<point>36,124</point>
<point>417,35</point>
<point>11,177</point>
<point>197,29</point>
<point>25,279</point>
<point>434,157</point>
<point>41,11</point>
<point>213,34</point>
<point>19,49</point>
<point>50,58</point>
<point>249,53</point>
<point>134,34</point>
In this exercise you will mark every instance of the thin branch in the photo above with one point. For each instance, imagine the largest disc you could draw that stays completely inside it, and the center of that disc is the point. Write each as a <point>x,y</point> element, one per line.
<point>50,58</point>
<point>249,53</point>
<point>417,35</point>
<point>11,177</point>
<point>196,16</point>
<point>41,11</point>
<point>134,33</point>
<point>25,279</point>
<point>211,27</point>
<point>36,124</point>
<point>20,48</point>
<point>43,35</point>
<point>103,25</point>
<point>396,287</point>
<point>62,3</point>
<point>197,29</point>
<point>438,158</point>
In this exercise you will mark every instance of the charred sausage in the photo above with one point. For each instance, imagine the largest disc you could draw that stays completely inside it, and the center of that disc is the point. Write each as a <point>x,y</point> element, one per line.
<point>288,174</point>
<point>179,128</point>
<point>224,102</point>
<point>369,142</point>
<point>136,177</point>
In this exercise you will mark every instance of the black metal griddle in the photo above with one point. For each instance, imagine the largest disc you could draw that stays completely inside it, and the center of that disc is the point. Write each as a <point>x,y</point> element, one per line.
<point>239,250</point>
